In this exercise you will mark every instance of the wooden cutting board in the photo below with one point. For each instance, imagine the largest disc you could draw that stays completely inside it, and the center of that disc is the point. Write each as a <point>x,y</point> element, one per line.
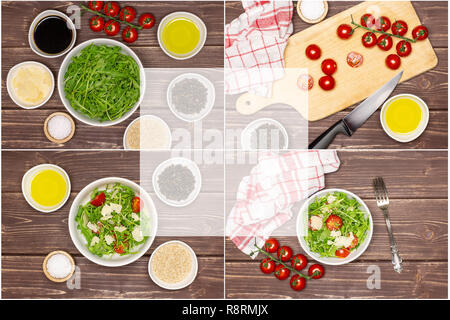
<point>352,84</point>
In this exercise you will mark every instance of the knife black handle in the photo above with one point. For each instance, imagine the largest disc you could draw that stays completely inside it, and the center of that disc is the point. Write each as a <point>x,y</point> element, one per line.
<point>325,139</point>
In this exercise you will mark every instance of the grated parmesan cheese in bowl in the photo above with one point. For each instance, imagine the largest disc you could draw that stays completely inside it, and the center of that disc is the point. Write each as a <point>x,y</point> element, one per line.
<point>147,132</point>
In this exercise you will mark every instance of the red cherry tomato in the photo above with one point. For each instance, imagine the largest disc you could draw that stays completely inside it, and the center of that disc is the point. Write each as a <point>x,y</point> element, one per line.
<point>334,223</point>
<point>271,245</point>
<point>95,5</point>
<point>327,83</point>
<point>316,271</point>
<point>383,24</point>
<point>99,199</point>
<point>420,33</point>
<point>354,243</point>
<point>342,253</point>
<point>344,31</point>
<point>136,204</point>
<point>267,265</point>
<point>119,249</point>
<point>297,283</point>
<point>369,39</point>
<point>313,52</point>
<point>284,253</point>
<point>111,9</point>
<point>368,20</point>
<point>399,27</point>
<point>299,262</point>
<point>305,82</point>
<point>393,61</point>
<point>112,27</point>
<point>281,272</point>
<point>129,34</point>
<point>96,23</point>
<point>146,20</point>
<point>385,42</point>
<point>403,48</point>
<point>354,59</point>
<point>127,14</point>
<point>329,66</point>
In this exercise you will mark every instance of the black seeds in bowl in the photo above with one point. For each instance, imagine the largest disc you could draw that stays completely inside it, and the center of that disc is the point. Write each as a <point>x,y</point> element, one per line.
<point>189,96</point>
<point>267,136</point>
<point>176,182</point>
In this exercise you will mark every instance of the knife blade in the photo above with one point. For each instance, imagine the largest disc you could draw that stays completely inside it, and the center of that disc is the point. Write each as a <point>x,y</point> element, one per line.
<point>355,119</point>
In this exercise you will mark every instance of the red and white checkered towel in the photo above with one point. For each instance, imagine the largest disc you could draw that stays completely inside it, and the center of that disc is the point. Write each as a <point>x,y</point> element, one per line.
<point>265,197</point>
<point>254,46</point>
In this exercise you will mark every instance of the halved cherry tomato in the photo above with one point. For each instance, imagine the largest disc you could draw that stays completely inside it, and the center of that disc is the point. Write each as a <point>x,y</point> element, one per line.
<point>95,5</point>
<point>305,82</point>
<point>136,204</point>
<point>127,14</point>
<point>403,48</point>
<point>112,8</point>
<point>271,245</point>
<point>385,42</point>
<point>327,83</point>
<point>334,222</point>
<point>281,272</point>
<point>119,249</point>
<point>329,66</point>
<point>267,265</point>
<point>112,27</point>
<point>344,31</point>
<point>354,59</point>
<point>299,262</point>
<point>129,34</point>
<point>399,27</point>
<point>393,61</point>
<point>342,253</point>
<point>297,282</point>
<point>146,20</point>
<point>99,199</point>
<point>420,33</point>
<point>383,23</point>
<point>368,20</point>
<point>96,23</point>
<point>284,253</point>
<point>313,52</point>
<point>369,39</point>
<point>354,243</point>
<point>316,271</point>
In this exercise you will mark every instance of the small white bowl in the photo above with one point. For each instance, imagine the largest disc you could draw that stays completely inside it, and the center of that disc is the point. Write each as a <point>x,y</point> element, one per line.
<point>36,20</point>
<point>302,229</point>
<point>11,90</point>
<point>26,185</point>
<point>198,22</point>
<point>65,64</point>
<point>246,135</point>
<point>210,99</point>
<point>406,137</point>
<point>80,242</point>
<point>195,171</point>
<point>166,127</point>
<point>182,284</point>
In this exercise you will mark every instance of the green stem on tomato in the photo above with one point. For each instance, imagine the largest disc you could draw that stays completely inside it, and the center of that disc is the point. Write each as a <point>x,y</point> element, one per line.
<point>111,18</point>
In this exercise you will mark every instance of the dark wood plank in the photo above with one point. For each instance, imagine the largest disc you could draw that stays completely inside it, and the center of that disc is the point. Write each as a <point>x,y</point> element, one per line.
<point>22,277</point>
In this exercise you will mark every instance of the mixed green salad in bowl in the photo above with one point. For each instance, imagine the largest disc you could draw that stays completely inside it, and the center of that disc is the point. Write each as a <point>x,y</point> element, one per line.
<point>112,221</point>
<point>334,226</point>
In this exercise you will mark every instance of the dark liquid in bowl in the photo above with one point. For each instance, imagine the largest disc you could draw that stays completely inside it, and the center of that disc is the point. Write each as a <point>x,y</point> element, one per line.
<point>52,35</point>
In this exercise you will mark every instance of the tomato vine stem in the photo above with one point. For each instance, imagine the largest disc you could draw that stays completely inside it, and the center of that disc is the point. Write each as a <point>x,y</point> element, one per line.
<point>111,18</point>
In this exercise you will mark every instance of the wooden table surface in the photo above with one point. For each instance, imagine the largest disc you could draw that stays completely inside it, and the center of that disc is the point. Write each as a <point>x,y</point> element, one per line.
<point>431,86</point>
<point>417,185</point>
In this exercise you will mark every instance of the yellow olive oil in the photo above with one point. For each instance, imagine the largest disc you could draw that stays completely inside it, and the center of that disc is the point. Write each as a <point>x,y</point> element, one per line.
<point>48,188</point>
<point>180,36</point>
<point>403,115</point>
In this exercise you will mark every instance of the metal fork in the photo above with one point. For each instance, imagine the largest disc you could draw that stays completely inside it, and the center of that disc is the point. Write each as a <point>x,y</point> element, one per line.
<point>381,195</point>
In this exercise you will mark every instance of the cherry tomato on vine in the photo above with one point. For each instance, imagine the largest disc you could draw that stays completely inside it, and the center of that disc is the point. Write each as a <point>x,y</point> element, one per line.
<point>129,34</point>
<point>354,59</point>
<point>342,253</point>
<point>111,8</point>
<point>271,245</point>
<point>112,27</point>
<point>327,83</point>
<point>334,222</point>
<point>281,272</point>
<point>297,282</point>
<point>127,14</point>
<point>299,262</point>
<point>369,39</point>
<point>329,66</point>
<point>96,23</point>
<point>344,31</point>
<point>267,266</point>
<point>385,42</point>
<point>316,271</point>
<point>399,27</point>
<point>383,24</point>
<point>313,52</point>
<point>305,82</point>
<point>146,20</point>
<point>420,33</point>
<point>284,253</point>
<point>403,48</point>
<point>368,20</point>
<point>354,243</point>
<point>95,5</point>
<point>393,61</point>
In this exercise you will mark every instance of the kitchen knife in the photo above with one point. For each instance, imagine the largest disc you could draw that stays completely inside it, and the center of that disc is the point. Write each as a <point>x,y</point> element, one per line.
<point>358,116</point>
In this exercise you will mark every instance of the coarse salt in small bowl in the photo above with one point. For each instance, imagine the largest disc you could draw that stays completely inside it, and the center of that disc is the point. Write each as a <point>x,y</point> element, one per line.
<point>58,266</point>
<point>59,127</point>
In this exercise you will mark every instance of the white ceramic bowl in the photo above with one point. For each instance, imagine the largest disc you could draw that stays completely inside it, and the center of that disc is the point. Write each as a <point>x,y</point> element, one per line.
<point>12,93</point>
<point>246,134</point>
<point>80,242</point>
<point>184,283</point>
<point>302,229</point>
<point>191,166</point>
<point>198,22</point>
<point>36,20</point>
<point>166,127</point>
<point>210,98</point>
<point>65,64</point>
<point>406,137</point>
<point>26,186</point>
